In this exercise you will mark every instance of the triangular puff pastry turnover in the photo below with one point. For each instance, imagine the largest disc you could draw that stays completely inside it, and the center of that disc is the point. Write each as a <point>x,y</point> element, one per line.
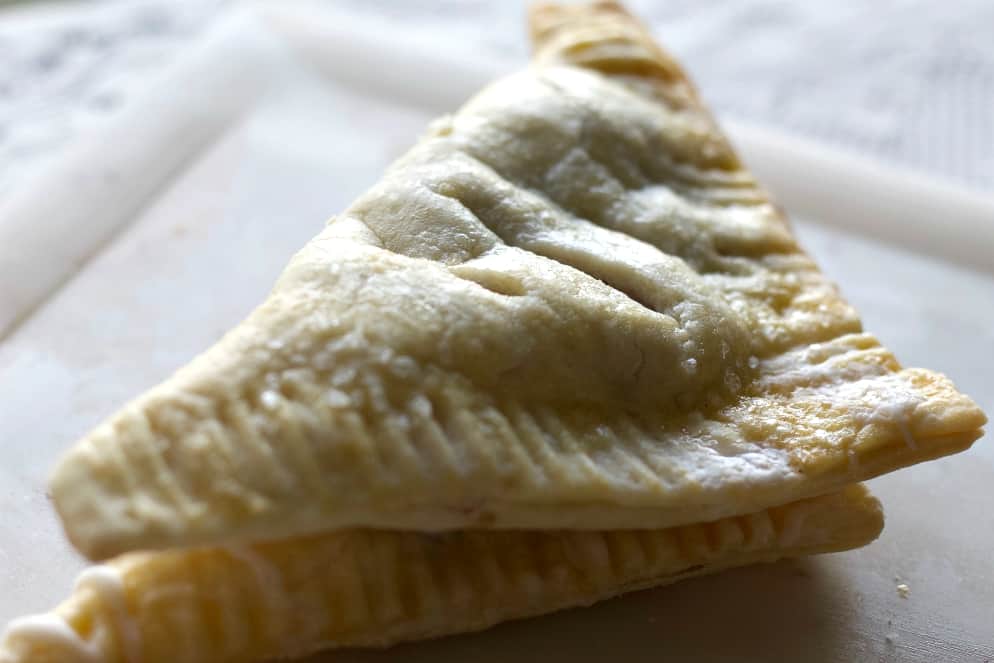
<point>565,348</point>
<point>371,588</point>
<point>568,306</point>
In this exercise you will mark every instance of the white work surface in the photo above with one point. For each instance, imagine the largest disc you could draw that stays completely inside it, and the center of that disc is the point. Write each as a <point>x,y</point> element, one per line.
<point>908,81</point>
<point>148,241</point>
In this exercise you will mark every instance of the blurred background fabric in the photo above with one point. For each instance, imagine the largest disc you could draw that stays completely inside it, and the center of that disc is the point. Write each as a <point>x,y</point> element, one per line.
<point>910,82</point>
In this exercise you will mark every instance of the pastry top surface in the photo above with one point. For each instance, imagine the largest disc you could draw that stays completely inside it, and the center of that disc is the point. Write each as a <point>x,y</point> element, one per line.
<point>569,305</point>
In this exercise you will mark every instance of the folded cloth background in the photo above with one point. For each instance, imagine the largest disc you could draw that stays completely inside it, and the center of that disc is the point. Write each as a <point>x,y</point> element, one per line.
<point>900,81</point>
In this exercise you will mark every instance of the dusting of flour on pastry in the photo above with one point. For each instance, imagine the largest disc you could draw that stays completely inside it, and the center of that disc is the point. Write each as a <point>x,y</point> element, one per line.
<point>887,400</point>
<point>843,359</point>
<point>879,400</point>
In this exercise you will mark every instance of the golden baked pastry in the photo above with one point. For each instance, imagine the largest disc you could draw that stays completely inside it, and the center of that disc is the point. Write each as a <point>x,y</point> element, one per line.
<point>568,306</point>
<point>364,587</point>
<point>569,309</point>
